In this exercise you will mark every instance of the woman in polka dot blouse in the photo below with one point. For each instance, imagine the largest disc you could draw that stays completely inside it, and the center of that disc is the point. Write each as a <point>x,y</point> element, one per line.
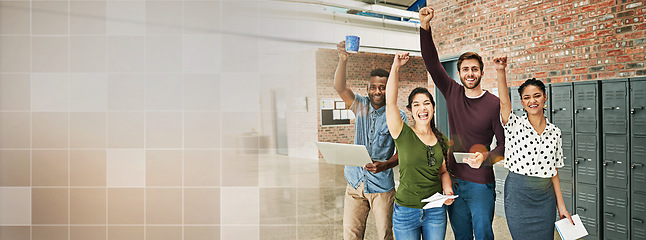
<point>532,154</point>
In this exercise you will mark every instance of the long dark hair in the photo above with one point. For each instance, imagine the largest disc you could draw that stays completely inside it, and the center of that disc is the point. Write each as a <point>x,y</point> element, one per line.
<point>436,132</point>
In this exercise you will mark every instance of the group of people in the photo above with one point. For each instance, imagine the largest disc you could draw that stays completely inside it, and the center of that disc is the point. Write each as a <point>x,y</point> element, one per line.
<point>529,145</point>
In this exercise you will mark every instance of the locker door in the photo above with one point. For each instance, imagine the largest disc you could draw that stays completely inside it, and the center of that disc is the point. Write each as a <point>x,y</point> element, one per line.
<point>615,163</point>
<point>638,107</point>
<point>615,211</point>
<point>500,173</point>
<point>585,105</point>
<point>516,106</point>
<point>562,107</point>
<point>567,190</point>
<point>638,208</point>
<point>586,159</point>
<point>566,173</point>
<point>548,103</point>
<point>614,95</point>
<point>586,207</point>
<point>638,163</point>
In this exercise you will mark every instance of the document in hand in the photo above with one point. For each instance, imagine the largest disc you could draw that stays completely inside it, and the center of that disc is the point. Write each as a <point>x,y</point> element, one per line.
<point>569,231</point>
<point>437,200</point>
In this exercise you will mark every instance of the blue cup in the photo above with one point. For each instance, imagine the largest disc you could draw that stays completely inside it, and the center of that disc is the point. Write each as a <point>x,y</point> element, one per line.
<point>352,44</point>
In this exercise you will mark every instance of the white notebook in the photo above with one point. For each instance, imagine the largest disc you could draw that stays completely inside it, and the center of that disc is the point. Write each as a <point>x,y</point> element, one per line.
<point>569,231</point>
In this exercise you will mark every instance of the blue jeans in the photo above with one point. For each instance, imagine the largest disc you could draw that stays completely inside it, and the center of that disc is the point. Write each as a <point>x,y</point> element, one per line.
<point>472,212</point>
<point>411,223</point>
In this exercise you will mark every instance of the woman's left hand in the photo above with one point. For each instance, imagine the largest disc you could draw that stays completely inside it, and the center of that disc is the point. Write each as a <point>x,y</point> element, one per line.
<point>450,200</point>
<point>565,214</point>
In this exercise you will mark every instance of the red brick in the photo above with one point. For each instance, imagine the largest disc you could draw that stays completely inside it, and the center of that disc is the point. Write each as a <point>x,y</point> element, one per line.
<point>565,20</point>
<point>607,32</point>
<point>588,8</point>
<point>605,4</point>
<point>586,35</point>
<point>615,67</point>
<point>581,43</point>
<point>545,43</point>
<point>624,58</point>
<point>606,74</point>
<point>540,74</point>
<point>580,70</point>
<point>615,52</point>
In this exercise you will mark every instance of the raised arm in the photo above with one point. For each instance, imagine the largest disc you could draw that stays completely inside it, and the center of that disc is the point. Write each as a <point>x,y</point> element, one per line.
<point>340,76</point>
<point>431,58</point>
<point>393,118</point>
<point>500,63</point>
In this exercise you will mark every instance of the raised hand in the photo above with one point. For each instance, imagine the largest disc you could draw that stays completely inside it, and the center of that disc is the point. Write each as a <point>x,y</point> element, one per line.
<point>425,16</point>
<point>401,58</point>
<point>500,62</point>
<point>340,48</point>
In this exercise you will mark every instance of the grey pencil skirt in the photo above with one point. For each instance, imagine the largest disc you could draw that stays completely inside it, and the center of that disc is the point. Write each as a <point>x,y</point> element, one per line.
<point>530,207</point>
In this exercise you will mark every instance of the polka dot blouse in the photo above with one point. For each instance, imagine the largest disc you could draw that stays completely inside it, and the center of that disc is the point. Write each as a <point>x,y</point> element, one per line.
<point>531,154</point>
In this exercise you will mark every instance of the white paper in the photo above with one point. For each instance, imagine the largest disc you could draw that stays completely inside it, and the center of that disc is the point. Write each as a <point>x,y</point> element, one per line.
<point>569,231</point>
<point>437,200</point>
<point>344,114</point>
<point>327,104</point>
<point>340,105</point>
<point>336,114</point>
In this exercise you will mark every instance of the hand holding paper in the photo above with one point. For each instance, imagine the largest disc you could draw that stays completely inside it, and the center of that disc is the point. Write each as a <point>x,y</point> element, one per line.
<point>569,231</point>
<point>437,200</point>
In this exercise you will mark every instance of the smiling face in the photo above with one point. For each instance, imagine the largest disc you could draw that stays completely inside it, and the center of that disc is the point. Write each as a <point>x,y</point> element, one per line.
<point>533,99</point>
<point>422,108</point>
<point>470,73</point>
<point>377,91</point>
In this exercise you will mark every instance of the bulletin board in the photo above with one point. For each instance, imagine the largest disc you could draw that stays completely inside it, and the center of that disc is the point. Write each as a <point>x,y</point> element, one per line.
<point>334,112</point>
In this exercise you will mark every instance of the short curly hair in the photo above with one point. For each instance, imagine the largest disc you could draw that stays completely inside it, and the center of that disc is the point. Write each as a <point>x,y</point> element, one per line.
<point>379,73</point>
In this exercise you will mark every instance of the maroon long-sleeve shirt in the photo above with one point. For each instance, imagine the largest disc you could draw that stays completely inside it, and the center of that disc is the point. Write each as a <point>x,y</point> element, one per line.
<point>473,122</point>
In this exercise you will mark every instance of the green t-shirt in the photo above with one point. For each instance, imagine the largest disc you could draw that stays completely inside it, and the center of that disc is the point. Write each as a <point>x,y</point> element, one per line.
<point>417,179</point>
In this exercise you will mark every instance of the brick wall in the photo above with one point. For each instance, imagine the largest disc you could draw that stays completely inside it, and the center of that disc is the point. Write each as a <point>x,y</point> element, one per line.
<point>412,75</point>
<point>555,41</point>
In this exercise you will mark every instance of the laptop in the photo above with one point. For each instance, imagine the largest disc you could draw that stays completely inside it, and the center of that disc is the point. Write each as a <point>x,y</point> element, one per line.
<point>344,154</point>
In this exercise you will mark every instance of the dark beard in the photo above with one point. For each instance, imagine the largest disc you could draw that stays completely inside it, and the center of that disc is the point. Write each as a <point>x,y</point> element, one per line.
<point>477,82</point>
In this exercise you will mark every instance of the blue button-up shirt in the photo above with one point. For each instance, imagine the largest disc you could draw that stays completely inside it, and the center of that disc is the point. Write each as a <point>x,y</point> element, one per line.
<point>371,131</point>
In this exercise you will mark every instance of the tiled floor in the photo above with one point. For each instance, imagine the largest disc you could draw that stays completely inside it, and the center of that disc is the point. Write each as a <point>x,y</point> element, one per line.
<point>303,199</point>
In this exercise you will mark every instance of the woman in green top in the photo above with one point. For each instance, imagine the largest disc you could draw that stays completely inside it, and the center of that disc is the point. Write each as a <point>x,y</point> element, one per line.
<point>422,150</point>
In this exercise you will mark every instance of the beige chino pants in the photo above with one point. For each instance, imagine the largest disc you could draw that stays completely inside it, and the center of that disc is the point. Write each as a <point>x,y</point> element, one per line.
<point>357,206</point>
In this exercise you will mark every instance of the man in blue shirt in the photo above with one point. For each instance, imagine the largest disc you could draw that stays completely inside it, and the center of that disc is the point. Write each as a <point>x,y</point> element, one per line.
<point>373,186</point>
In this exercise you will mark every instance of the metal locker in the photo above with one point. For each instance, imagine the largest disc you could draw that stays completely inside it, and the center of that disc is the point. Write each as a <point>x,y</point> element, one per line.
<point>516,106</point>
<point>638,163</point>
<point>615,213</point>
<point>500,173</point>
<point>567,190</point>
<point>500,203</point>
<point>638,106</point>
<point>548,103</point>
<point>586,161</point>
<point>614,95</point>
<point>586,207</point>
<point>585,106</point>
<point>562,104</point>
<point>638,212</point>
<point>567,171</point>
<point>615,161</point>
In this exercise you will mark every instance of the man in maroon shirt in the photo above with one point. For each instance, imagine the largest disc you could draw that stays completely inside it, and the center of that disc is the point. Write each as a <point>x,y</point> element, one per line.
<point>474,119</point>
